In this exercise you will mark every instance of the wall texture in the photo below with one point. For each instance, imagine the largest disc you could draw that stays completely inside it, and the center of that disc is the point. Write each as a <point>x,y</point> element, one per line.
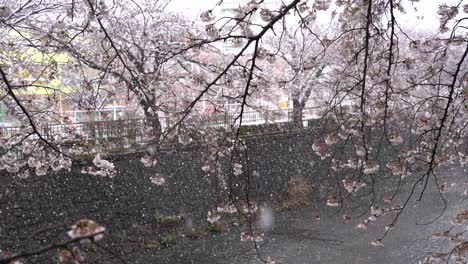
<point>38,210</point>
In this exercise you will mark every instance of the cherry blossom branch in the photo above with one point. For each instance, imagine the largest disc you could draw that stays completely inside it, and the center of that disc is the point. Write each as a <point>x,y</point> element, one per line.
<point>64,244</point>
<point>27,114</point>
<point>255,38</point>
<point>425,177</point>
<point>443,120</point>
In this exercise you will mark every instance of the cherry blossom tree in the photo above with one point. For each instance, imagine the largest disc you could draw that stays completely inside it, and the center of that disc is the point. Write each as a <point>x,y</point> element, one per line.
<point>298,69</point>
<point>370,54</point>
<point>382,84</point>
<point>120,45</point>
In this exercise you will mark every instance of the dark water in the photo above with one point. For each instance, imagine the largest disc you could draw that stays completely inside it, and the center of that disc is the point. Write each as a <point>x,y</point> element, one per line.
<point>297,237</point>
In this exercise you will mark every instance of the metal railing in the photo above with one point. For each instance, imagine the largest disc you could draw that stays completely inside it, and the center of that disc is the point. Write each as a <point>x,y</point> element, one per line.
<point>132,131</point>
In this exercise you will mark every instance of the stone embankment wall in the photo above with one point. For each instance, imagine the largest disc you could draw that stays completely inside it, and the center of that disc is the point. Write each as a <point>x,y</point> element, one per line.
<point>39,210</point>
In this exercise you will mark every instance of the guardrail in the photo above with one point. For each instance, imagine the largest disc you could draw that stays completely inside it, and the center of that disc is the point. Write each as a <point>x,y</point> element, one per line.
<point>131,131</point>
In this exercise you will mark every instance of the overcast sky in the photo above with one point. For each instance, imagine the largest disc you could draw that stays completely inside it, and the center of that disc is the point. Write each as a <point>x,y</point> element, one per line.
<point>420,16</point>
<point>191,8</point>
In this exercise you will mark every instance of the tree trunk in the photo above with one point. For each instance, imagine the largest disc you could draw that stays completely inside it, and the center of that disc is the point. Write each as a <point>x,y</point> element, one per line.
<point>297,113</point>
<point>152,120</point>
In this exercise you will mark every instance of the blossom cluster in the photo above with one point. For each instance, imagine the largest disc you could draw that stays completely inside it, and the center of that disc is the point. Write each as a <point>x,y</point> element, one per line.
<point>148,161</point>
<point>73,256</point>
<point>157,179</point>
<point>86,228</point>
<point>101,167</point>
<point>254,236</point>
